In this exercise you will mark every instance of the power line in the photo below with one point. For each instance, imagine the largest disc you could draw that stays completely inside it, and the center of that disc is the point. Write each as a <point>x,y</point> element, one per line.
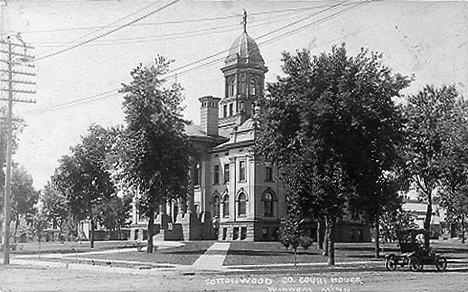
<point>114,22</point>
<point>99,96</point>
<point>180,21</point>
<point>109,32</point>
<point>288,33</point>
<point>178,35</point>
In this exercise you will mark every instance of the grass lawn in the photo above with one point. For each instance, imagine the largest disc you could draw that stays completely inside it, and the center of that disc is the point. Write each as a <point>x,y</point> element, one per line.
<point>69,246</point>
<point>184,255</point>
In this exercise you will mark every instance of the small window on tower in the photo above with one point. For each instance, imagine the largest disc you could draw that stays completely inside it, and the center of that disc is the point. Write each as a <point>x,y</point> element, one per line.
<point>253,87</point>
<point>232,87</point>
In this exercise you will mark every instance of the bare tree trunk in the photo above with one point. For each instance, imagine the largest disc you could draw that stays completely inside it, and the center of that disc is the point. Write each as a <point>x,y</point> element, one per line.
<point>91,235</point>
<point>326,235</point>
<point>17,223</point>
<point>150,231</point>
<point>321,229</point>
<point>377,238</point>
<point>331,222</point>
<point>428,219</point>
<point>463,228</point>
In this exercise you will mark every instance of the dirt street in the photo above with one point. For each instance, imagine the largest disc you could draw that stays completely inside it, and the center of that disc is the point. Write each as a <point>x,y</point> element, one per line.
<point>21,278</point>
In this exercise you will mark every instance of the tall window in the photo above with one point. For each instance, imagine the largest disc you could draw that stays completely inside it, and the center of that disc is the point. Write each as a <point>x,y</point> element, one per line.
<point>268,204</point>
<point>253,86</point>
<point>225,111</point>
<point>242,170</point>
<point>231,109</point>
<point>196,181</point>
<point>232,87</point>
<point>216,204</point>
<point>226,173</point>
<point>216,175</point>
<point>226,206</point>
<point>242,205</point>
<point>243,84</point>
<point>268,173</point>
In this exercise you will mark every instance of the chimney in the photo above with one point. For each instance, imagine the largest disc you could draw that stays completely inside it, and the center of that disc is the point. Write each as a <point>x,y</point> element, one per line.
<point>209,114</point>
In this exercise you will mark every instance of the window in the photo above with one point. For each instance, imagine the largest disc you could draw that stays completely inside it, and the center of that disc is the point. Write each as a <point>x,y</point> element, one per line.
<point>253,87</point>
<point>224,233</point>
<point>242,205</point>
<point>225,111</point>
<point>197,175</point>
<point>268,173</point>
<point>241,170</point>
<point>243,84</point>
<point>235,233</point>
<point>243,234</point>
<point>232,87</point>
<point>226,206</point>
<point>216,175</point>
<point>268,204</point>
<point>216,204</point>
<point>226,173</point>
<point>231,109</point>
<point>265,232</point>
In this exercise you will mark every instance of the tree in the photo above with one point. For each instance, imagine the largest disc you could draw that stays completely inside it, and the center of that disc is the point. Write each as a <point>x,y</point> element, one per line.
<point>83,177</point>
<point>115,213</point>
<point>454,193</point>
<point>55,207</point>
<point>23,196</point>
<point>333,125</point>
<point>427,115</point>
<point>18,125</point>
<point>154,156</point>
<point>393,220</point>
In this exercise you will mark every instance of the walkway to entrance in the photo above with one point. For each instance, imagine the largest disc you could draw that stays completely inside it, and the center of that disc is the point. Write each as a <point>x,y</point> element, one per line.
<point>213,258</point>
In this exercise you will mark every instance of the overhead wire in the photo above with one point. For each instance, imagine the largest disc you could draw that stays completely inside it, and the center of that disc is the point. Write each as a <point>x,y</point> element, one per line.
<point>173,75</point>
<point>178,35</point>
<point>108,25</point>
<point>181,21</point>
<point>109,32</point>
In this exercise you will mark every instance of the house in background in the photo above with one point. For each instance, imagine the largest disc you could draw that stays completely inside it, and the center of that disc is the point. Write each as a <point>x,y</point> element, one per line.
<point>235,195</point>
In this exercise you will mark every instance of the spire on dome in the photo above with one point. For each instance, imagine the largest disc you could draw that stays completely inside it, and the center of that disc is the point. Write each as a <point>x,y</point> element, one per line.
<point>244,21</point>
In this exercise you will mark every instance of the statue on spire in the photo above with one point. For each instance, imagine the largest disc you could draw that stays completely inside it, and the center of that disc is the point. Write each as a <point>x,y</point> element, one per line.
<point>244,21</point>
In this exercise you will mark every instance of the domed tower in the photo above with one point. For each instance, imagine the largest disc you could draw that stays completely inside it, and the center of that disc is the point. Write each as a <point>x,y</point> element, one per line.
<point>244,74</point>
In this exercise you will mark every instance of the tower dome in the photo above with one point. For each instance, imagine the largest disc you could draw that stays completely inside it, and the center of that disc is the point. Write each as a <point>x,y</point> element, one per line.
<point>244,50</point>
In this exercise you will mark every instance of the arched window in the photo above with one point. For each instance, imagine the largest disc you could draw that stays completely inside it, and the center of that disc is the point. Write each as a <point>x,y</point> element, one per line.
<point>232,87</point>
<point>226,206</point>
<point>253,86</point>
<point>268,204</point>
<point>216,204</point>
<point>242,210</point>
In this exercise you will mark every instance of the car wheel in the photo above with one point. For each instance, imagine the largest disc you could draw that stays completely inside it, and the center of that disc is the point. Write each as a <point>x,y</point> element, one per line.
<point>441,263</point>
<point>414,264</point>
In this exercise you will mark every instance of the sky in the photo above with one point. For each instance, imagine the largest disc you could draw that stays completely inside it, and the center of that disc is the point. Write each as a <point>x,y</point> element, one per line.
<point>85,50</point>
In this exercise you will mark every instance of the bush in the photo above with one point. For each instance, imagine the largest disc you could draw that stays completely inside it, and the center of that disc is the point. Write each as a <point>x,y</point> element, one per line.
<point>305,242</point>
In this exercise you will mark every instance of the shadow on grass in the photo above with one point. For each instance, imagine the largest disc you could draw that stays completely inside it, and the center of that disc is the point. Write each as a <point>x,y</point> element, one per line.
<point>268,253</point>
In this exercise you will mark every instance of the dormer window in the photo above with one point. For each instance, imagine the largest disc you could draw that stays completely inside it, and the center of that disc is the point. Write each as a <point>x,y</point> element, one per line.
<point>225,111</point>
<point>231,109</point>
<point>253,86</point>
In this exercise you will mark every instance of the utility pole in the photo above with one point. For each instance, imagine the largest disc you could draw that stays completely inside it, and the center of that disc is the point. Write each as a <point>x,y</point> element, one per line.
<point>18,63</point>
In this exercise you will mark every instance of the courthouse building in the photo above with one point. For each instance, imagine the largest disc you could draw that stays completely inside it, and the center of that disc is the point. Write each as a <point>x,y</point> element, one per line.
<point>234,195</point>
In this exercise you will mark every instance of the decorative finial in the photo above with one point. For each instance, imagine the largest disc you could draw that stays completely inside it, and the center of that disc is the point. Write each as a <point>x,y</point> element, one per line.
<point>244,21</point>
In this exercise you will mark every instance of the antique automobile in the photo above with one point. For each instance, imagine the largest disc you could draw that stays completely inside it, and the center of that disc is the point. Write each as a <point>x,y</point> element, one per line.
<point>413,252</point>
